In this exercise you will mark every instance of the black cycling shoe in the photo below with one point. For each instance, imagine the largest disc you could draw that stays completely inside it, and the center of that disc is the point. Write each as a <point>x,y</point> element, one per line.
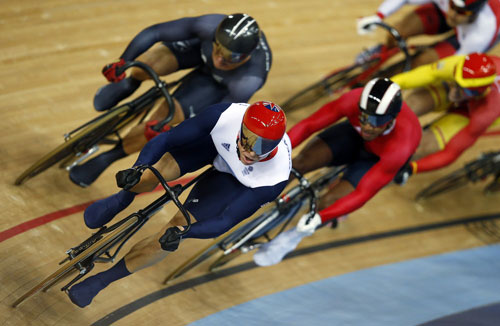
<point>84,175</point>
<point>111,94</point>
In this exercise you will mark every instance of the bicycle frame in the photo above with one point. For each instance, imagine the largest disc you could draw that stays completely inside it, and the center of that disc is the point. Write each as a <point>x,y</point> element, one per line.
<point>97,247</point>
<point>487,164</point>
<point>87,137</point>
<point>246,237</point>
<point>351,76</point>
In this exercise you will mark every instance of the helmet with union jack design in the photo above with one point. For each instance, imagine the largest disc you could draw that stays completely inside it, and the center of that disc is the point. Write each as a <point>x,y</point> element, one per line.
<point>263,127</point>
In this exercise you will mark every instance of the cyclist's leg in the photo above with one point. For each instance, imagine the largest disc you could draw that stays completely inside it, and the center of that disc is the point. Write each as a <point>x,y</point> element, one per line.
<point>196,92</point>
<point>440,133</point>
<point>148,251</point>
<point>337,145</point>
<point>437,51</point>
<point>145,253</point>
<point>171,165</point>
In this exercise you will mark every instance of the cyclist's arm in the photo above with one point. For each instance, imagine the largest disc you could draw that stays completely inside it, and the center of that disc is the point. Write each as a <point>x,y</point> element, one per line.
<point>427,74</point>
<point>176,30</point>
<point>183,134</point>
<point>240,91</point>
<point>238,209</point>
<point>325,116</point>
<point>480,120</point>
<point>377,177</point>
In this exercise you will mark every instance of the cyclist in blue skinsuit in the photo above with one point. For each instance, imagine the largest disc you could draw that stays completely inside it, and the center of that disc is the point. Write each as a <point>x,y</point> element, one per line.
<point>232,60</point>
<point>251,153</point>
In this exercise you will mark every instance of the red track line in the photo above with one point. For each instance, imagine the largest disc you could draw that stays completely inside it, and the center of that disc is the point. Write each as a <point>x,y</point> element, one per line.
<point>39,221</point>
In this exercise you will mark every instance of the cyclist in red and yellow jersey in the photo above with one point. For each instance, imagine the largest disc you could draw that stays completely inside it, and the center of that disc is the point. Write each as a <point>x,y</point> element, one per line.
<point>466,88</point>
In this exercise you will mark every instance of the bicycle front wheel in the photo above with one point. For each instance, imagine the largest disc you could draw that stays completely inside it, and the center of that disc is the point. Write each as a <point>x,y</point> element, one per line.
<point>83,140</point>
<point>100,246</point>
<point>216,246</point>
<point>320,89</point>
<point>450,182</point>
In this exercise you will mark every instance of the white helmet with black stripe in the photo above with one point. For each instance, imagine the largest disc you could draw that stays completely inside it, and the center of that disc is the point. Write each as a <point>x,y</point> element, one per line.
<point>380,101</point>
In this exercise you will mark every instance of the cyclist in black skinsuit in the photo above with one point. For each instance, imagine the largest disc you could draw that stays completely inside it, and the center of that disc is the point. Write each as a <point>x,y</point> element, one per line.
<point>232,57</point>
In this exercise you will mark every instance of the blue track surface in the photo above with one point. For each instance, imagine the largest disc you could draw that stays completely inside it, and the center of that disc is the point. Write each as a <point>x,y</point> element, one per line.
<point>406,293</point>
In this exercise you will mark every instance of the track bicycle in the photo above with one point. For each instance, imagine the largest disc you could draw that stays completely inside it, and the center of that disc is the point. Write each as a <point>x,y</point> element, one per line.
<point>368,66</point>
<point>85,140</point>
<point>263,227</point>
<point>98,247</point>
<point>487,164</point>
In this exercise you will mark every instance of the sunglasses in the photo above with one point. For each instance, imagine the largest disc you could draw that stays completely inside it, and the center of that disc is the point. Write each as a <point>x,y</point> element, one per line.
<point>460,10</point>
<point>228,57</point>
<point>378,121</point>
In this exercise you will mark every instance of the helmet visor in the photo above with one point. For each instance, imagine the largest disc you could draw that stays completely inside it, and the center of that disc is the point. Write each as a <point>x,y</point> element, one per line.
<point>227,55</point>
<point>375,120</point>
<point>254,143</point>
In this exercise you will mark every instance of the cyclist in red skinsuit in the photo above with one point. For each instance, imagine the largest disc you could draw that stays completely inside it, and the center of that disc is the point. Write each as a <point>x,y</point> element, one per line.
<point>380,135</point>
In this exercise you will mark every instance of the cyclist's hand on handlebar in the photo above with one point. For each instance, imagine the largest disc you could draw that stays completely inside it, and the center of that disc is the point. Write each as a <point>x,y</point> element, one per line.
<point>150,132</point>
<point>307,224</point>
<point>170,240</point>
<point>363,24</point>
<point>128,178</point>
<point>404,174</point>
<point>109,71</point>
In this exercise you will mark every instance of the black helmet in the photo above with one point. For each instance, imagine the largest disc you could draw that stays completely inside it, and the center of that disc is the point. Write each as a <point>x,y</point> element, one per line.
<point>381,101</point>
<point>239,33</point>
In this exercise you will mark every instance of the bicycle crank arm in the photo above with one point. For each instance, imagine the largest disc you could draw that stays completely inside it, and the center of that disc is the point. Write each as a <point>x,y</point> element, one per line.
<point>81,157</point>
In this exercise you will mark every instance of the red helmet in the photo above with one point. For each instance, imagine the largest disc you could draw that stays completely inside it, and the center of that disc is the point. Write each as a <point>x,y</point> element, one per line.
<point>475,71</point>
<point>263,127</point>
<point>467,7</point>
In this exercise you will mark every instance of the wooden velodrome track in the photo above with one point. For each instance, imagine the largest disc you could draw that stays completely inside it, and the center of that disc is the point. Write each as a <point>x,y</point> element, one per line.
<point>51,55</point>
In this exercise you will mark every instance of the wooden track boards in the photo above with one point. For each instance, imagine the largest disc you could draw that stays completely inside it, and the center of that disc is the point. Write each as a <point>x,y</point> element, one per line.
<point>52,54</point>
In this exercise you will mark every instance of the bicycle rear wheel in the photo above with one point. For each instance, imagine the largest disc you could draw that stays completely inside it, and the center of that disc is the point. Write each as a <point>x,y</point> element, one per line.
<point>213,248</point>
<point>95,249</point>
<point>80,142</point>
<point>235,245</point>
<point>450,182</point>
<point>326,86</point>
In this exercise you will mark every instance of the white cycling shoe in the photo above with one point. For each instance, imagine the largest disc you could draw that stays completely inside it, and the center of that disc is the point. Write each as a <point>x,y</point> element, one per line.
<point>273,252</point>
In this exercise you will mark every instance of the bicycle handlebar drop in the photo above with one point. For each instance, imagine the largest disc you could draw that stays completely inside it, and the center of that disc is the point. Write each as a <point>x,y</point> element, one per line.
<point>161,85</point>
<point>403,46</point>
<point>173,193</point>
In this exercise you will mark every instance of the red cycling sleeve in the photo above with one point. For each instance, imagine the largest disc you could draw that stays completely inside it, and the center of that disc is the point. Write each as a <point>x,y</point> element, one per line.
<point>325,116</point>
